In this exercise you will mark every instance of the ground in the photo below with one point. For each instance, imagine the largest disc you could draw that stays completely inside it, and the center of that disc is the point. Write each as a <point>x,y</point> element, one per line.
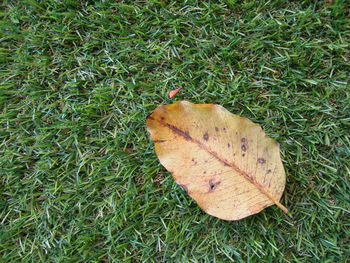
<point>79,179</point>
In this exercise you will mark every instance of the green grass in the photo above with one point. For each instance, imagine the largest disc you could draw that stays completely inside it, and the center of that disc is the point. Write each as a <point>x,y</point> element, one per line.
<point>78,79</point>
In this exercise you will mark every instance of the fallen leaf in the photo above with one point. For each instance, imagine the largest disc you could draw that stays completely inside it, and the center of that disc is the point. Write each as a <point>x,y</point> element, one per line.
<point>129,150</point>
<point>172,93</point>
<point>227,163</point>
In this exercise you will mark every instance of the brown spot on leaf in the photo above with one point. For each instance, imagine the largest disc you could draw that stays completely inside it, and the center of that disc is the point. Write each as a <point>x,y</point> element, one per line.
<point>206,136</point>
<point>213,185</point>
<point>244,144</point>
<point>261,160</point>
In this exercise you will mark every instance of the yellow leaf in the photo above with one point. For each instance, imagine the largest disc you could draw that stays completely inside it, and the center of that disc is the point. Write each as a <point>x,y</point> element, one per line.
<point>227,163</point>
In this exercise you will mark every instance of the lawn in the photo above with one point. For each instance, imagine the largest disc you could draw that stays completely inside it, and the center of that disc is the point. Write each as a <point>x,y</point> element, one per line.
<point>79,178</point>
